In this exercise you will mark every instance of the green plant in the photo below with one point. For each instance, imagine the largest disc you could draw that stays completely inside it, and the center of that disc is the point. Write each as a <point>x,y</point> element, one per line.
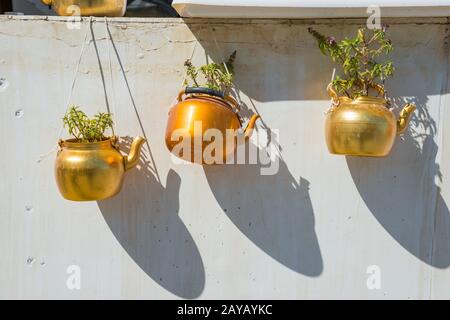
<point>84,129</point>
<point>361,72</point>
<point>216,76</point>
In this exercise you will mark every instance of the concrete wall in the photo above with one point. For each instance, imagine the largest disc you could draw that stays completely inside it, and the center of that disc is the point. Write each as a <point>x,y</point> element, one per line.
<point>312,230</point>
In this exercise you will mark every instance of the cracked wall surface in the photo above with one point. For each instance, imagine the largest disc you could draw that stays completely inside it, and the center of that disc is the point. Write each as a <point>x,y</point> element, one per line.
<point>312,230</point>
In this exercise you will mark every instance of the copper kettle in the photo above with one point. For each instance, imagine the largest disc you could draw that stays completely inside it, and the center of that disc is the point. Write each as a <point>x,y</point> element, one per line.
<point>199,114</point>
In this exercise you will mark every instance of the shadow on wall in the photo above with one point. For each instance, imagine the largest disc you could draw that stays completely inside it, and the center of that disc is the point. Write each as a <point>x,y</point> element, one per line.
<point>267,62</point>
<point>273,211</point>
<point>272,57</point>
<point>399,188</point>
<point>396,189</point>
<point>144,219</point>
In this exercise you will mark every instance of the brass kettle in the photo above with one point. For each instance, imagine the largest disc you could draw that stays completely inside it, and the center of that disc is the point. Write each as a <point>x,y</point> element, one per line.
<point>96,8</point>
<point>198,110</point>
<point>363,126</point>
<point>93,170</point>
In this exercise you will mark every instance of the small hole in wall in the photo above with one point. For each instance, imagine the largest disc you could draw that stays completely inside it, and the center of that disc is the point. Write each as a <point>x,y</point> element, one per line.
<point>30,261</point>
<point>3,84</point>
<point>18,113</point>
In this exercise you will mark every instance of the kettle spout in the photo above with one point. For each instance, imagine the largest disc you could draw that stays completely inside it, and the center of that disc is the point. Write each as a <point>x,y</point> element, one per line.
<point>250,126</point>
<point>404,117</point>
<point>135,151</point>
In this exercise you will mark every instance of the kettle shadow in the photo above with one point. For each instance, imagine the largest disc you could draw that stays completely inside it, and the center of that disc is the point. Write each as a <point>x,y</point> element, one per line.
<point>398,189</point>
<point>144,219</point>
<point>273,211</point>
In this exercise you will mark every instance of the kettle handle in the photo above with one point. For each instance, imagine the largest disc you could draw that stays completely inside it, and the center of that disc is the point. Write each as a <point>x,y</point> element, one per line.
<point>335,97</point>
<point>333,94</point>
<point>210,92</point>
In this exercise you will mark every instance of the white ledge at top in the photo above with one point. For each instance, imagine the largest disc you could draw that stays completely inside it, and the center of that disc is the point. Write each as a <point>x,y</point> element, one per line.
<point>290,9</point>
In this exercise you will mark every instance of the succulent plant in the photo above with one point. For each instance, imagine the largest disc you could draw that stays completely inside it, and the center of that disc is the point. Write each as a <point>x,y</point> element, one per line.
<point>84,129</point>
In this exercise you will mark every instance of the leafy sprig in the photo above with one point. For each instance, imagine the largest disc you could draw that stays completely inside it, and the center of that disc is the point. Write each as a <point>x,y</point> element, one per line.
<point>215,76</point>
<point>84,129</point>
<point>356,56</point>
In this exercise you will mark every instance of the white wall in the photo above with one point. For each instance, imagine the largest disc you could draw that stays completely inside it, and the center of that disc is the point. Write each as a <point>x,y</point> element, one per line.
<point>177,230</point>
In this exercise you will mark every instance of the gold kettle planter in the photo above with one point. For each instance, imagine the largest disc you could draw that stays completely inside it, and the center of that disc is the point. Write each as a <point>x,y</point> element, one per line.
<point>87,171</point>
<point>199,110</point>
<point>363,126</point>
<point>96,8</point>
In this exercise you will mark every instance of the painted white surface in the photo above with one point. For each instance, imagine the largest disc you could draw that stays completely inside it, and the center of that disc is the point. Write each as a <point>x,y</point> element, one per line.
<point>309,8</point>
<point>310,231</point>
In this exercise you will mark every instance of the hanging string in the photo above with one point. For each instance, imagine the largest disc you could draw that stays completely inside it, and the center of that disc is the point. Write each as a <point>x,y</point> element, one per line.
<point>77,67</point>
<point>105,93</point>
<point>109,40</point>
<point>236,91</point>
<point>72,86</point>
<point>183,81</point>
<point>221,56</point>
<point>237,95</point>
<point>141,125</point>
<point>333,103</point>
<point>191,57</point>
